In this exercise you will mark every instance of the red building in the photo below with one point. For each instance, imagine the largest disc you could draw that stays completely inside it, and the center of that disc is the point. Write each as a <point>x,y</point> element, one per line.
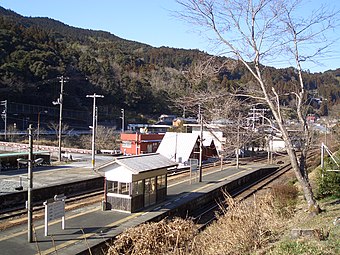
<point>311,118</point>
<point>137,143</point>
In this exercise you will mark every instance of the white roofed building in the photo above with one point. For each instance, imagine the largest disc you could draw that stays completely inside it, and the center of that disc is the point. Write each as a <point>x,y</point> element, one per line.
<point>180,147</point>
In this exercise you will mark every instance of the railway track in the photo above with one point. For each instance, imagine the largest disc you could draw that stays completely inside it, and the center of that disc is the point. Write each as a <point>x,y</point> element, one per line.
<point>172,174</point>
<point>71,203</point>
<point>96,196</point>
<point>79,199</point>
<point>208,214</point>
<point>84,198</point>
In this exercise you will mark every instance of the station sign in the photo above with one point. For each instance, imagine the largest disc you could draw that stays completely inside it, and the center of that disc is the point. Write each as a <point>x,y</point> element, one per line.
<point>55,209</point>
<point>193,164</point>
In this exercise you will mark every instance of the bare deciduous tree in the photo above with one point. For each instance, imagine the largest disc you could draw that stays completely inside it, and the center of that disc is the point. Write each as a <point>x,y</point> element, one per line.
<point>258,32</point>
<point>55,128</point>
<point>105,139</point>
<point>223,111</point>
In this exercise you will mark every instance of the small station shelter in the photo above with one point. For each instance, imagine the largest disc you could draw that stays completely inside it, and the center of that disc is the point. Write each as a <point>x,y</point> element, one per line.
<point>135,182</point>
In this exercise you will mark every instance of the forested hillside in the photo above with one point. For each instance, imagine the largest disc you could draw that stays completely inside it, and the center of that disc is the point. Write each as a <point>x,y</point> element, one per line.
<point>131,75</point>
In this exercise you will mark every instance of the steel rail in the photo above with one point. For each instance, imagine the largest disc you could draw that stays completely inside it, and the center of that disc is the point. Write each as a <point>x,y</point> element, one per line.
<point>241,194</point>
<point>21,212</point>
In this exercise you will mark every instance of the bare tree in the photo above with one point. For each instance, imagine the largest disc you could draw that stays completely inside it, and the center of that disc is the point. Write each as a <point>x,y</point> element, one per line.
<point>258,32</point>
<point>55,128</point>
<point>106,139</point>
<point>11,132</point>
<point>221,111</point>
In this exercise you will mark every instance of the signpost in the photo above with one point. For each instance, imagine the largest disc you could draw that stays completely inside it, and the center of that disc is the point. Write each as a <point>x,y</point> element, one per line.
<point>55,209</point>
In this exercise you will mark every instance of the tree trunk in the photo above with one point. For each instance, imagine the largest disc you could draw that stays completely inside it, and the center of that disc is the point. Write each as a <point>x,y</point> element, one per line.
<point>302,178</point>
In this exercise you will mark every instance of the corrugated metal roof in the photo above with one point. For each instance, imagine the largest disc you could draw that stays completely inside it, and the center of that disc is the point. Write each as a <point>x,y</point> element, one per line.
<point>176,146</point>
<point>142,163</point>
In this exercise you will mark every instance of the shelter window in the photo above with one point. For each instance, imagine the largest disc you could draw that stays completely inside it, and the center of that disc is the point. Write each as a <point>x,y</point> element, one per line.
<point>161,181</point>
<point>112,186</point>
<point>126,144</point>
<point>124,188</point>
<point>137,188</point>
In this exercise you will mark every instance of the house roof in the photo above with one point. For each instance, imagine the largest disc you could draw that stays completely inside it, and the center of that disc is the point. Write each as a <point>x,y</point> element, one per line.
<point>177,145</point>
<point>140,163</point>
<point>207,141</point>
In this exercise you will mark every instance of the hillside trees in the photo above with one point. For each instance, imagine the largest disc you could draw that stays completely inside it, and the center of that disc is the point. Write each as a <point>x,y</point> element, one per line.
<point>35,51</point>
<point>256,31</point>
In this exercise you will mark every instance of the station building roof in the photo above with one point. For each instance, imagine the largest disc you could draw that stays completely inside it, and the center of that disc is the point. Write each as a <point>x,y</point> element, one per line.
<point>140,163</point>
<point>134,168</point>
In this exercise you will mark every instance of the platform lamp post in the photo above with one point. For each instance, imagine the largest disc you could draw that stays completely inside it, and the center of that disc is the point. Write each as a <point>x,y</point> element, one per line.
<point>200,118</point>
<point>29,162</point>
<point>60,102</point>
<point>94,118</point>
<point>30,186</point>
<point>123,118</point>
<point>4,116</point>
<point>38,130</point>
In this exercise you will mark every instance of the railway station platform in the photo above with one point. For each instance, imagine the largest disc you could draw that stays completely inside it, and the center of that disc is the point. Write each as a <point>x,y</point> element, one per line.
<point>89,227</point>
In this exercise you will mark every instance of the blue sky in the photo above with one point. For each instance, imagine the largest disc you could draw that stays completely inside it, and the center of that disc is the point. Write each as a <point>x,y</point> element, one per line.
<point>147,21</point>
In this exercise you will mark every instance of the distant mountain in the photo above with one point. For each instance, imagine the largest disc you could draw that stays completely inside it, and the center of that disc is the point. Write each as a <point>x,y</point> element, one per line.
<point>131,75</point>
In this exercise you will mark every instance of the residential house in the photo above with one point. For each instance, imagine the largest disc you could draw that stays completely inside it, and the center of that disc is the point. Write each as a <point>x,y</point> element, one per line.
<point>139,143</point>
<point>181,147</point>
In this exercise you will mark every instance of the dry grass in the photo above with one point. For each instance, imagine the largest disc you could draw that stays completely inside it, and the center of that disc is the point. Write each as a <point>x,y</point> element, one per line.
<point>260,225</point>
<point>243,228</point>
<point>164,237</point>
<point>285,199</point>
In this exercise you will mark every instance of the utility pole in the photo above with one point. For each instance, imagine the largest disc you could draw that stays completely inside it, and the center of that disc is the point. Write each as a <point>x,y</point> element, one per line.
<point>94,117</point>
<point>123,117</point>
<point>270,149</point>
<point>201,143</point>
<point>60,102</point>
<point>238,142</point>
<point>29,187</point>
<point>4,116</point>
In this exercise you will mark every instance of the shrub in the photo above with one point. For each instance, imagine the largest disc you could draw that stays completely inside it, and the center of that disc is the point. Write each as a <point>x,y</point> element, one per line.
<point>296,248</point>
<point>285,199</point>
<point>327,181</point>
